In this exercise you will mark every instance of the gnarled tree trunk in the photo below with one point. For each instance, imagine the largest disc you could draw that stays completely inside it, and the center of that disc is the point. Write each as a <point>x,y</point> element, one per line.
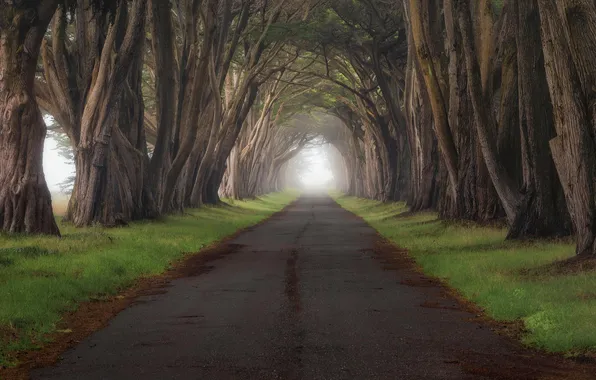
<point>423,143</point>
<point>25,201</point>
<point>112,184</point>
<point>543,211</point>
<point>424,15</point>
<point>484,119</point>
<point>93,88</point>
<point>569,45</point>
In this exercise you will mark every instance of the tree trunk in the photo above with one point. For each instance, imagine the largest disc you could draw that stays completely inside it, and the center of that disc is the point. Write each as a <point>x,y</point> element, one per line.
<point>423,15</point>
<point>165,92</point>
<point>93,87</point>
<point>423,143</point>
<point>569,46</point>
<point>543,212</point>
<point>484,120</point>
<point>473,187</point>
<point>112,185</point>
<point>25,201</point>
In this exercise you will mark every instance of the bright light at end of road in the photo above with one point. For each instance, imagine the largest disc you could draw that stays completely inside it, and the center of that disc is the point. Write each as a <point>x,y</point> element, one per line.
<point>315,171</point>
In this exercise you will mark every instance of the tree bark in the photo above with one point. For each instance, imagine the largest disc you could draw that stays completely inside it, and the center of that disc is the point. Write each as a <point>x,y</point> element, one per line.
<point>420,13</point>
<point>484,120</point>
<point>165,92</point>
<point>25,201</point>
<point>543,211</point>
<point>423,143</point>
<point>568,30</point>
<point>93,87</point>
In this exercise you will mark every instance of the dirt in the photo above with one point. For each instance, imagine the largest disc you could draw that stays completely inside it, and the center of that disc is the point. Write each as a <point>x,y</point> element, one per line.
<point>574,265</point>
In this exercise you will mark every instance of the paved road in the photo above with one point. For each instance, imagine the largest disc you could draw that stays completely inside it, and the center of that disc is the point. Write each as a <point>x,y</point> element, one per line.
<point>306,295</point>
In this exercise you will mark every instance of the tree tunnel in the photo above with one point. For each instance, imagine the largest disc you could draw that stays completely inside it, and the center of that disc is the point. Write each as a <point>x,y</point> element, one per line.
<point>475,109</point>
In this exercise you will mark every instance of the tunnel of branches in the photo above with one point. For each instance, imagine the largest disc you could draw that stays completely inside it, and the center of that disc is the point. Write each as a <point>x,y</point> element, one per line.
<point>479,110</point>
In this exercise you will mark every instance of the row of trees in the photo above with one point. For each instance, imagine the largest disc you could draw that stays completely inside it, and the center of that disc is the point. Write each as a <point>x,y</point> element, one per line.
<point>478,109</point>
<point>507,83</point>
<point>483,108</point>
<point>180,77</point>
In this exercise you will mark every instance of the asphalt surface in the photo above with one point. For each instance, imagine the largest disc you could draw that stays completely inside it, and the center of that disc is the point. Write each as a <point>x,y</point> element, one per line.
<point>306,295</point>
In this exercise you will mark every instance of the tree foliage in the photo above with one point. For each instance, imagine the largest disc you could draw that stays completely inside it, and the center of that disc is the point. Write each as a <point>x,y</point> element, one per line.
<point>169,104</point>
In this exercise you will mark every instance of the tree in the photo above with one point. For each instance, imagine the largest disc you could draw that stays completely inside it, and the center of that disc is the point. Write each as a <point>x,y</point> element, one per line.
<point>25,201</point>
<point>569,45</point>
<point>543,211</point>
<point>95,94</point>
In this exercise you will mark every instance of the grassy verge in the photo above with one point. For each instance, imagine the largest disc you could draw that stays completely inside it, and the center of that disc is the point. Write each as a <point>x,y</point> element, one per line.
<point>558,311</point>
<point>43,277</point>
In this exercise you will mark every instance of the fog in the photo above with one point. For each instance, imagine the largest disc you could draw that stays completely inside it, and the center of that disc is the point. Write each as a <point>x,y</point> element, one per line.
<point>56,167</point>
<point>314,169</point>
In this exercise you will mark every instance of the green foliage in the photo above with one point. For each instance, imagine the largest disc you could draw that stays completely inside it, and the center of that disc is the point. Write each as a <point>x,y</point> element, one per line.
<point>335,45</point>
<point>557,310</point>
<point>313,99</point>
<point>321,28</point>
<point>43,277</point>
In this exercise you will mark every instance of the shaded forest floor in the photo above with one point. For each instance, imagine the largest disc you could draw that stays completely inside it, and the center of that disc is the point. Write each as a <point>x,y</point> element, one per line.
<point>41,278</point>
<point>510,281</point>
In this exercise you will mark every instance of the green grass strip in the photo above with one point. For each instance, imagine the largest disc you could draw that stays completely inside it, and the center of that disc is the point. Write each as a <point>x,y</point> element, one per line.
<point>43,277</point>
<point>558,311</point>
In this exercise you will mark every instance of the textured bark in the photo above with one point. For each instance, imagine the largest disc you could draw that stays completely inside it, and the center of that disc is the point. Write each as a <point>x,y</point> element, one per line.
<point>465,204</point>
<point>422,141</point>
<point>203,121</point>
<point>25,201</point>
<point>380,147</point>
<point>543,212</point>
<point>211,171</point>
<point>422,17</point>
<point>96,96</point>
<point>484,119</point>
<point>112,185</point>
<point>253,152</point>
<point>395,131</point>
<point>504,92</point>
<point>165,92</point>
<point>443,74</point>
<point>471,196</point>
<point>194,109</point>
<point>568,31</point>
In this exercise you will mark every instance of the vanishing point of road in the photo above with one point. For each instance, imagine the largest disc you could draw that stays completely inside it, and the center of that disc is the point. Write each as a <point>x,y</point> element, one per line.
<point>312,293</point>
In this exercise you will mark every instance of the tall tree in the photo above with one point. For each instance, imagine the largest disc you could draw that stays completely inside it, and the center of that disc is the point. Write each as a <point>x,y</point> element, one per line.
<point>484,119</point>
<point>568,30</point>
<point>92,87</point>
<point>543,211</point>
<point>25,201</point>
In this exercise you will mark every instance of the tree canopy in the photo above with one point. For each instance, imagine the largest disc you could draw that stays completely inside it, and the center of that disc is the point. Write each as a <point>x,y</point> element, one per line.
<point>481,110</point>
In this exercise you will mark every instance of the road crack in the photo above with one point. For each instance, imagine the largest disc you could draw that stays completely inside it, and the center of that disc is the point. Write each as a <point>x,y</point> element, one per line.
<point>295,346</point>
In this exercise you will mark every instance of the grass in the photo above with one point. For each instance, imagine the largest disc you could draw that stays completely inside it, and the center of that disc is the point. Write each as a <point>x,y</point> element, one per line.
<point>558,311</point>
<point>43,277</point>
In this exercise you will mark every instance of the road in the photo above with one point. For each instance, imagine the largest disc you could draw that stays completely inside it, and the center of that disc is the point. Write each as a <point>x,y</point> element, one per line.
<point>313,293</point>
